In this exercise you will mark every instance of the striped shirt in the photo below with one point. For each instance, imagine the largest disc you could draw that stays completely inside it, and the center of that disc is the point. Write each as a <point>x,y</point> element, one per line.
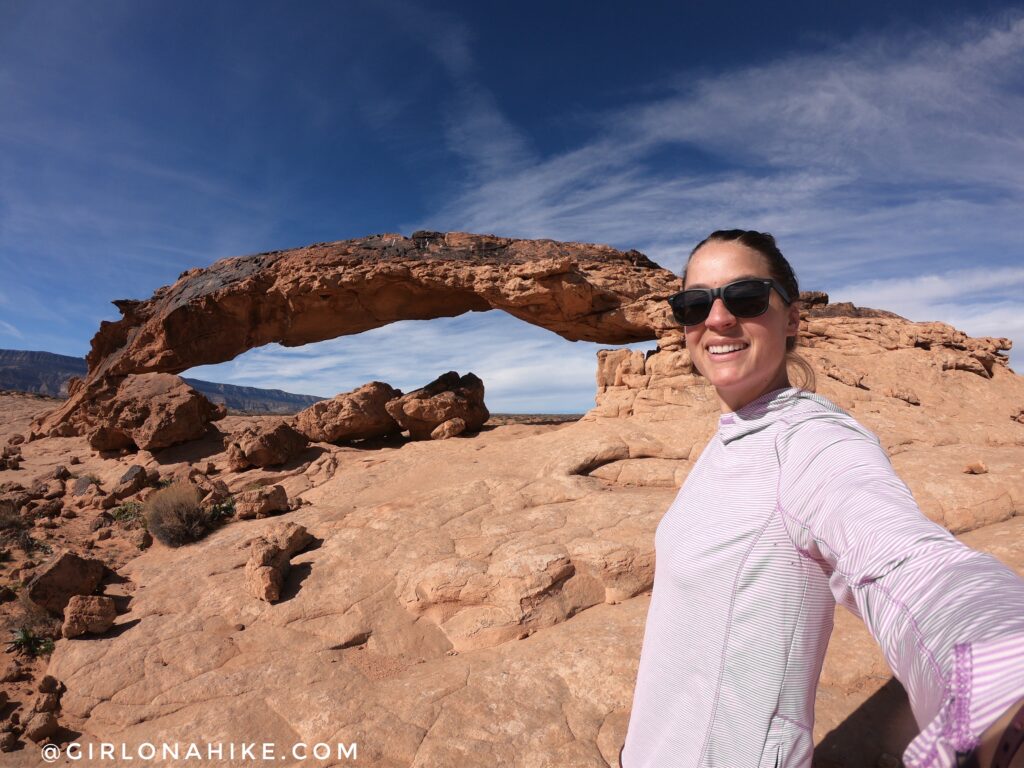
<point>793,506</point>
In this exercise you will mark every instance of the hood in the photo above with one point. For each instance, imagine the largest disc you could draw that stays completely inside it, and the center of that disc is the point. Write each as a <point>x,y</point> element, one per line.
<point>792,403</point>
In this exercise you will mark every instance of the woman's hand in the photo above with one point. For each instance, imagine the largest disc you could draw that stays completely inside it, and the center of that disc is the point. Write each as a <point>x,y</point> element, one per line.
<point>990,739</point>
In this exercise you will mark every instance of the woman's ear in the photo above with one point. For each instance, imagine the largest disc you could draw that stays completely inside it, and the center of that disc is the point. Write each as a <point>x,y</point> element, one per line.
<point>793,320</point>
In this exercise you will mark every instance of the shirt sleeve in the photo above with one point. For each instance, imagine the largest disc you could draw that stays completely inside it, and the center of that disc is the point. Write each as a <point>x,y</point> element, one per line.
<point>949,619</point>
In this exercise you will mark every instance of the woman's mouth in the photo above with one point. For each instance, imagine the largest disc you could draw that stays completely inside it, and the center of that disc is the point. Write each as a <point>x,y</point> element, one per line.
<point>726,351</point>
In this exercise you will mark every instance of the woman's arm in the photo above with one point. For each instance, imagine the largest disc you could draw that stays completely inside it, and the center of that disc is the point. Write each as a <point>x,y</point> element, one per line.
<point>949,619</point>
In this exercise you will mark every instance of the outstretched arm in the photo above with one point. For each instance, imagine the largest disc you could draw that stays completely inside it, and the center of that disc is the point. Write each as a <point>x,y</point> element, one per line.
<point>949,619</point>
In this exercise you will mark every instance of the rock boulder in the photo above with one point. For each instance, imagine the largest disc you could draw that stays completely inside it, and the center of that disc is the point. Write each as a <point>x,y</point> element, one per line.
<point>446,398</point>
<point>351,415</point>
<point>264,445</point>
<point>88,614</point>
<point>62,578</point>
<point>148,411</point>
<point>269,557</point>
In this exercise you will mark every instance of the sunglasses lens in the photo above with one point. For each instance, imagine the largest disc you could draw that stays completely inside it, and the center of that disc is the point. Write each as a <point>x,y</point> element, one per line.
<point>747,298</point>
<point>691,307</point>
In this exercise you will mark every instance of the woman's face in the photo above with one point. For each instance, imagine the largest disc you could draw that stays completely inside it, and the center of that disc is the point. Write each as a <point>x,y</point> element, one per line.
<point>743,376</point>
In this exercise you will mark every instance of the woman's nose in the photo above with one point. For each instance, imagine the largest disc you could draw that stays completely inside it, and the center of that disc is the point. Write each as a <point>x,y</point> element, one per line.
<point>719,315</point>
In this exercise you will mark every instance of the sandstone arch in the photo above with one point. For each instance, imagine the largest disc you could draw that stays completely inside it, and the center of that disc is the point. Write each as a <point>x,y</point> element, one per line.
<point>580,291</point>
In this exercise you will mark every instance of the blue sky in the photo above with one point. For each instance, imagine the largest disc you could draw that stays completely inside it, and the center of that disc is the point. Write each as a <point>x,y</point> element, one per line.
<point>879,142</point>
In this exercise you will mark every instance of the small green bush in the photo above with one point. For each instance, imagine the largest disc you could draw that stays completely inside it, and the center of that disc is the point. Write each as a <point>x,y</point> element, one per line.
<point>224,509</point>
<point>128,512</point>
<point>27,642</point>
<point>174,516</point>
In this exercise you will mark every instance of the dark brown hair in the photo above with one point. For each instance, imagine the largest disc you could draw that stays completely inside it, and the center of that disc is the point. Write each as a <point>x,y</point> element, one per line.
<point>780,269</point>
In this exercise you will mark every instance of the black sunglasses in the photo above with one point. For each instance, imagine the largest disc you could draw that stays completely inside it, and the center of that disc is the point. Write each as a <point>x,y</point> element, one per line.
<point>743,298</point>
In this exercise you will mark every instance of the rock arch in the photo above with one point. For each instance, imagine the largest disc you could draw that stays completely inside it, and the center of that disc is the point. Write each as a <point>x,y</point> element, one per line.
<point>582,292</point>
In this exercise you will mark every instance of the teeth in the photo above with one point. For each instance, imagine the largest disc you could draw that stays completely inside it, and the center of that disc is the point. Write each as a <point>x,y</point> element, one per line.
<point>717,350</point>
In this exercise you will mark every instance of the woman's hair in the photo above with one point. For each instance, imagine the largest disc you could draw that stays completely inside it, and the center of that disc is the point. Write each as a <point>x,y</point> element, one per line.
<point>780,269</point>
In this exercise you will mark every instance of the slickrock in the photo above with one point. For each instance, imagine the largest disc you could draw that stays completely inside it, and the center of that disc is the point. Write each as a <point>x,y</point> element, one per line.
<point>351,415</point>
<point>91,614</point>
<point>266,444</point>
<point>441,402</point>
<point>269,556</point>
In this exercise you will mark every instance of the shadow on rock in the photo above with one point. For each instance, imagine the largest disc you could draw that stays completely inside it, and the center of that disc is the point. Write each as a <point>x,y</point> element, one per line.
<point>882,724</point>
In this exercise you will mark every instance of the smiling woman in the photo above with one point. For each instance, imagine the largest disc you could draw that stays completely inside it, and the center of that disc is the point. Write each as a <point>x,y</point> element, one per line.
<point>792,507</point>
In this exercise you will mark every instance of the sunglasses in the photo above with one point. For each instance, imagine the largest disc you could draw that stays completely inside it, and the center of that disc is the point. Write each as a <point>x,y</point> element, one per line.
<point>743,298</point>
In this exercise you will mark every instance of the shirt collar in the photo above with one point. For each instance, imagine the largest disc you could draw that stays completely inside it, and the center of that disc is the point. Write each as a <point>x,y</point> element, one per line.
<point>757,414</point>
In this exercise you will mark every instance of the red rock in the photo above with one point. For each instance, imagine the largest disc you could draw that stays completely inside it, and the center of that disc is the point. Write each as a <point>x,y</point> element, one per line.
<point>132,481</point>
<point>451,428</point>
<point>46,702</point>
<point>351,415</point>
<point>449,396</point>
<point>148,411</point>
<point>92,614</point>
<point>264,445</point>
<point>261,502</point>
<point>63,577</point>
<point>269,557</point>
<point>41,726</point>
<point>580,291</point>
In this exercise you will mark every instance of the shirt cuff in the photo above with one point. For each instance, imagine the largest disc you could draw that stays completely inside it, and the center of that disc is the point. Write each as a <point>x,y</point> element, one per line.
<point>987,676</point>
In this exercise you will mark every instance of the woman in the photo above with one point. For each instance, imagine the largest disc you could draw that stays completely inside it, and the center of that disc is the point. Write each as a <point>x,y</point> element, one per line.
<point>792,506</point>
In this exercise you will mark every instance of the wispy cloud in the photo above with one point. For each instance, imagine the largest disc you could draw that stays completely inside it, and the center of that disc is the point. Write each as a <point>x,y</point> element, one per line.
<point>883,166</point>
<point>6,329</point>
<point>889,156</point>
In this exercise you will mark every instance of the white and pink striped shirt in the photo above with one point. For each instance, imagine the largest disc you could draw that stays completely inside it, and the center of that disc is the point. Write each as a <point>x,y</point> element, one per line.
<point>793,506</point>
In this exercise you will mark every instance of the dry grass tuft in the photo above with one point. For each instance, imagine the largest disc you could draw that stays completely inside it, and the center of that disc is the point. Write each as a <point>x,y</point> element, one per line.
<point>174,516</point>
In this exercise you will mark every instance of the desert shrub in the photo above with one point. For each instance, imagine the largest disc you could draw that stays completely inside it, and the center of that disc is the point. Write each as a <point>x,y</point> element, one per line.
<point>175,517</point>
<point>11,521</point>
<point>24,540</point>
<point>128,512</point>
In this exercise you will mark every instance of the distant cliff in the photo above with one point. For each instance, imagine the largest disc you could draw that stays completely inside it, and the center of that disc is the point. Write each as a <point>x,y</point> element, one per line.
<point>45,373</point>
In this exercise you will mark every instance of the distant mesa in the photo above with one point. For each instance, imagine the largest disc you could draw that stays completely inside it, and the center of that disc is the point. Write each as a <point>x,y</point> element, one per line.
<point>44,373</point>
